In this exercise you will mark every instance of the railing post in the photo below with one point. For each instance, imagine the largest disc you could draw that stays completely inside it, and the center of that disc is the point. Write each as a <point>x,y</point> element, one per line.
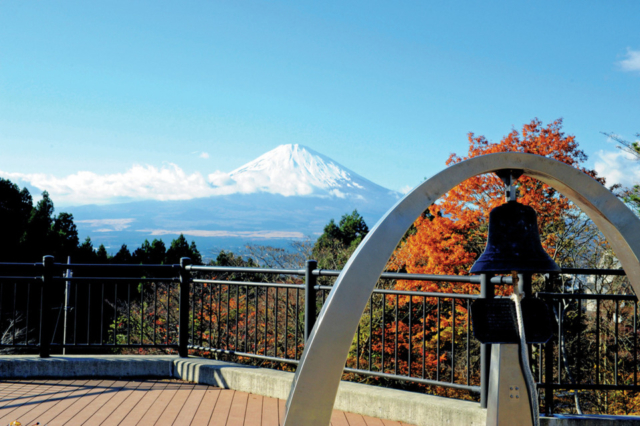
<point>310,281</point>
<point>185,281</point>
<point>548,360</point>
<point>45,306</point>
<point>486,292</point>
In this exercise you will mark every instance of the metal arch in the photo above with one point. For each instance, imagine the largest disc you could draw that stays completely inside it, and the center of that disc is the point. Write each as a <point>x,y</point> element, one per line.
<point>316,381</point>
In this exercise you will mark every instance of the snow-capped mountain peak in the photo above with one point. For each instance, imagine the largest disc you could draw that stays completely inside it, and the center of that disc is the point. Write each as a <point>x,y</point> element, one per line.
<point>294,169</point>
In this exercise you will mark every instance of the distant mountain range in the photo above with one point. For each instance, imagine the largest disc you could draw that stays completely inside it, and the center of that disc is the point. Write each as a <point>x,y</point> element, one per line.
<point>288,193</point>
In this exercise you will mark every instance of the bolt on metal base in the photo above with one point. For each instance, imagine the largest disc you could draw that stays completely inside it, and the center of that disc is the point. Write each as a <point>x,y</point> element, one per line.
<point>508,403</point>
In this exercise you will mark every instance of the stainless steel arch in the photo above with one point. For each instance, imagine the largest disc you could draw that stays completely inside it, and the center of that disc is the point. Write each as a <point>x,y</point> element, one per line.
<point>318,375</point>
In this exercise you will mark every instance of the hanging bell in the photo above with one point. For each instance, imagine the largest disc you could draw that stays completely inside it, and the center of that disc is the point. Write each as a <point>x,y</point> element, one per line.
<point>514,243</point>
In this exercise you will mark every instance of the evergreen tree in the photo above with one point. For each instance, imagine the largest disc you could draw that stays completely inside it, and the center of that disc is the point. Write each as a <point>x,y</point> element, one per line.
<point>180,248</point>
<point>15,209</point>
<point>102,255</point>
<point>86,252</point>
<point>123,256</point>
<point>64,237</point>
<point>338,242</point>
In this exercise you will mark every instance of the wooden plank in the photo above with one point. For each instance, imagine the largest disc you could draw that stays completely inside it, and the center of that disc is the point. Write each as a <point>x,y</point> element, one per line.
<point>41,404</point>
<point>270,412</point>
<point>133,408</point>
<point>118,406</point>
<point>238,408</point>
<point>65,403</point>
<point>153,412</point>
<point>205,409</point>
<point>221,410</point>
<point>282,410</point>
<point>31,390</point>
<point>174,407</point>
<point>338,419</point>
<point>370,421</point>
<point>16,388</point>
<point>190,406</point>
<point>253,417</point>
<point>110,403</point>
<point>104,404</point>
<point>355,419</point>
<point>68,413</point>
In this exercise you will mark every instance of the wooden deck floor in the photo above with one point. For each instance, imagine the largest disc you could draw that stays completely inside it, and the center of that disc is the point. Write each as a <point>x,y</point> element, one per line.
<point>149,402</point>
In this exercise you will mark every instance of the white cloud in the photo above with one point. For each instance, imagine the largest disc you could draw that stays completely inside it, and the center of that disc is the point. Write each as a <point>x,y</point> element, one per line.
<point>169,182</point>
<point>244,234</point>
<point>405,189</point>
<point>204,155</point>
<point>632,61</point>
<point>618,167</point>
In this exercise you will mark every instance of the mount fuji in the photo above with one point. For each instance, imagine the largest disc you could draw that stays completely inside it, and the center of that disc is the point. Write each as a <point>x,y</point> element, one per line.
<point>288,193</point>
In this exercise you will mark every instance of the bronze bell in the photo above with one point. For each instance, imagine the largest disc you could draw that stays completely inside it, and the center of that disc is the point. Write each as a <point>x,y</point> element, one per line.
<point>514,243</point>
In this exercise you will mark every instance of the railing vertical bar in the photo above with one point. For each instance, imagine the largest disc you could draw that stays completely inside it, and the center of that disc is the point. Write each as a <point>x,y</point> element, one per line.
<point>218,319</point>
<point>235,345</point>
<point>548,360</point>
<point>297,320</point>
<point>370,330</point>
<point>615,356</point>
<point>246,318</point>
<point>358,347</point>
<point>26,332</point>
<point>46,289</point>
<point>75,314</point>
<point>266,318</point>
<point>635,342</point>
<point>453,339</point>
<point>193,315</point>
<point>211,315</point>
<point>395,347</point>
<point>424,335</point>
<point>102,301</point>
<point>115,312</point>
<point>168,308</point>
<point>275,346</point>
<point>15,322</point>
<point>142,313</point>
<point>382,323</point>
<point>468,341</point>
<point>286,324</point>
<point>560,338</point>
<point>255,335</point>
<point>201,318</point>
<point>310,295</point>
<point>438,340</point>
<point>129,315</point>
<point>598,341</point>
<point>155,312</point>
<point>579,344</point>
<point>228,315</point>
<point>410,336</point>
<point>183,308</point>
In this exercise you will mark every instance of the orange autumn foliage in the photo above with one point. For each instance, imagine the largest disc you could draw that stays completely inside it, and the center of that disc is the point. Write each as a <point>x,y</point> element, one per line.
<point>451,234</point>
<point>449,237</point>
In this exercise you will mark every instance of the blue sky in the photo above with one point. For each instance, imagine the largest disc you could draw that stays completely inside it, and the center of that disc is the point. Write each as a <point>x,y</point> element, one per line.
<point>388,90</point>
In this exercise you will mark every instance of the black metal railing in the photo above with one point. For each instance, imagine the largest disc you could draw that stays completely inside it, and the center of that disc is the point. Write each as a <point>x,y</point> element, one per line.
<point>412,337</point>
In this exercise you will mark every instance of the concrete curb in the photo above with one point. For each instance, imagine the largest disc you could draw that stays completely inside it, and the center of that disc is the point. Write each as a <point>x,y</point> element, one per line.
<point>31,366</point>
<point>408,407</point>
